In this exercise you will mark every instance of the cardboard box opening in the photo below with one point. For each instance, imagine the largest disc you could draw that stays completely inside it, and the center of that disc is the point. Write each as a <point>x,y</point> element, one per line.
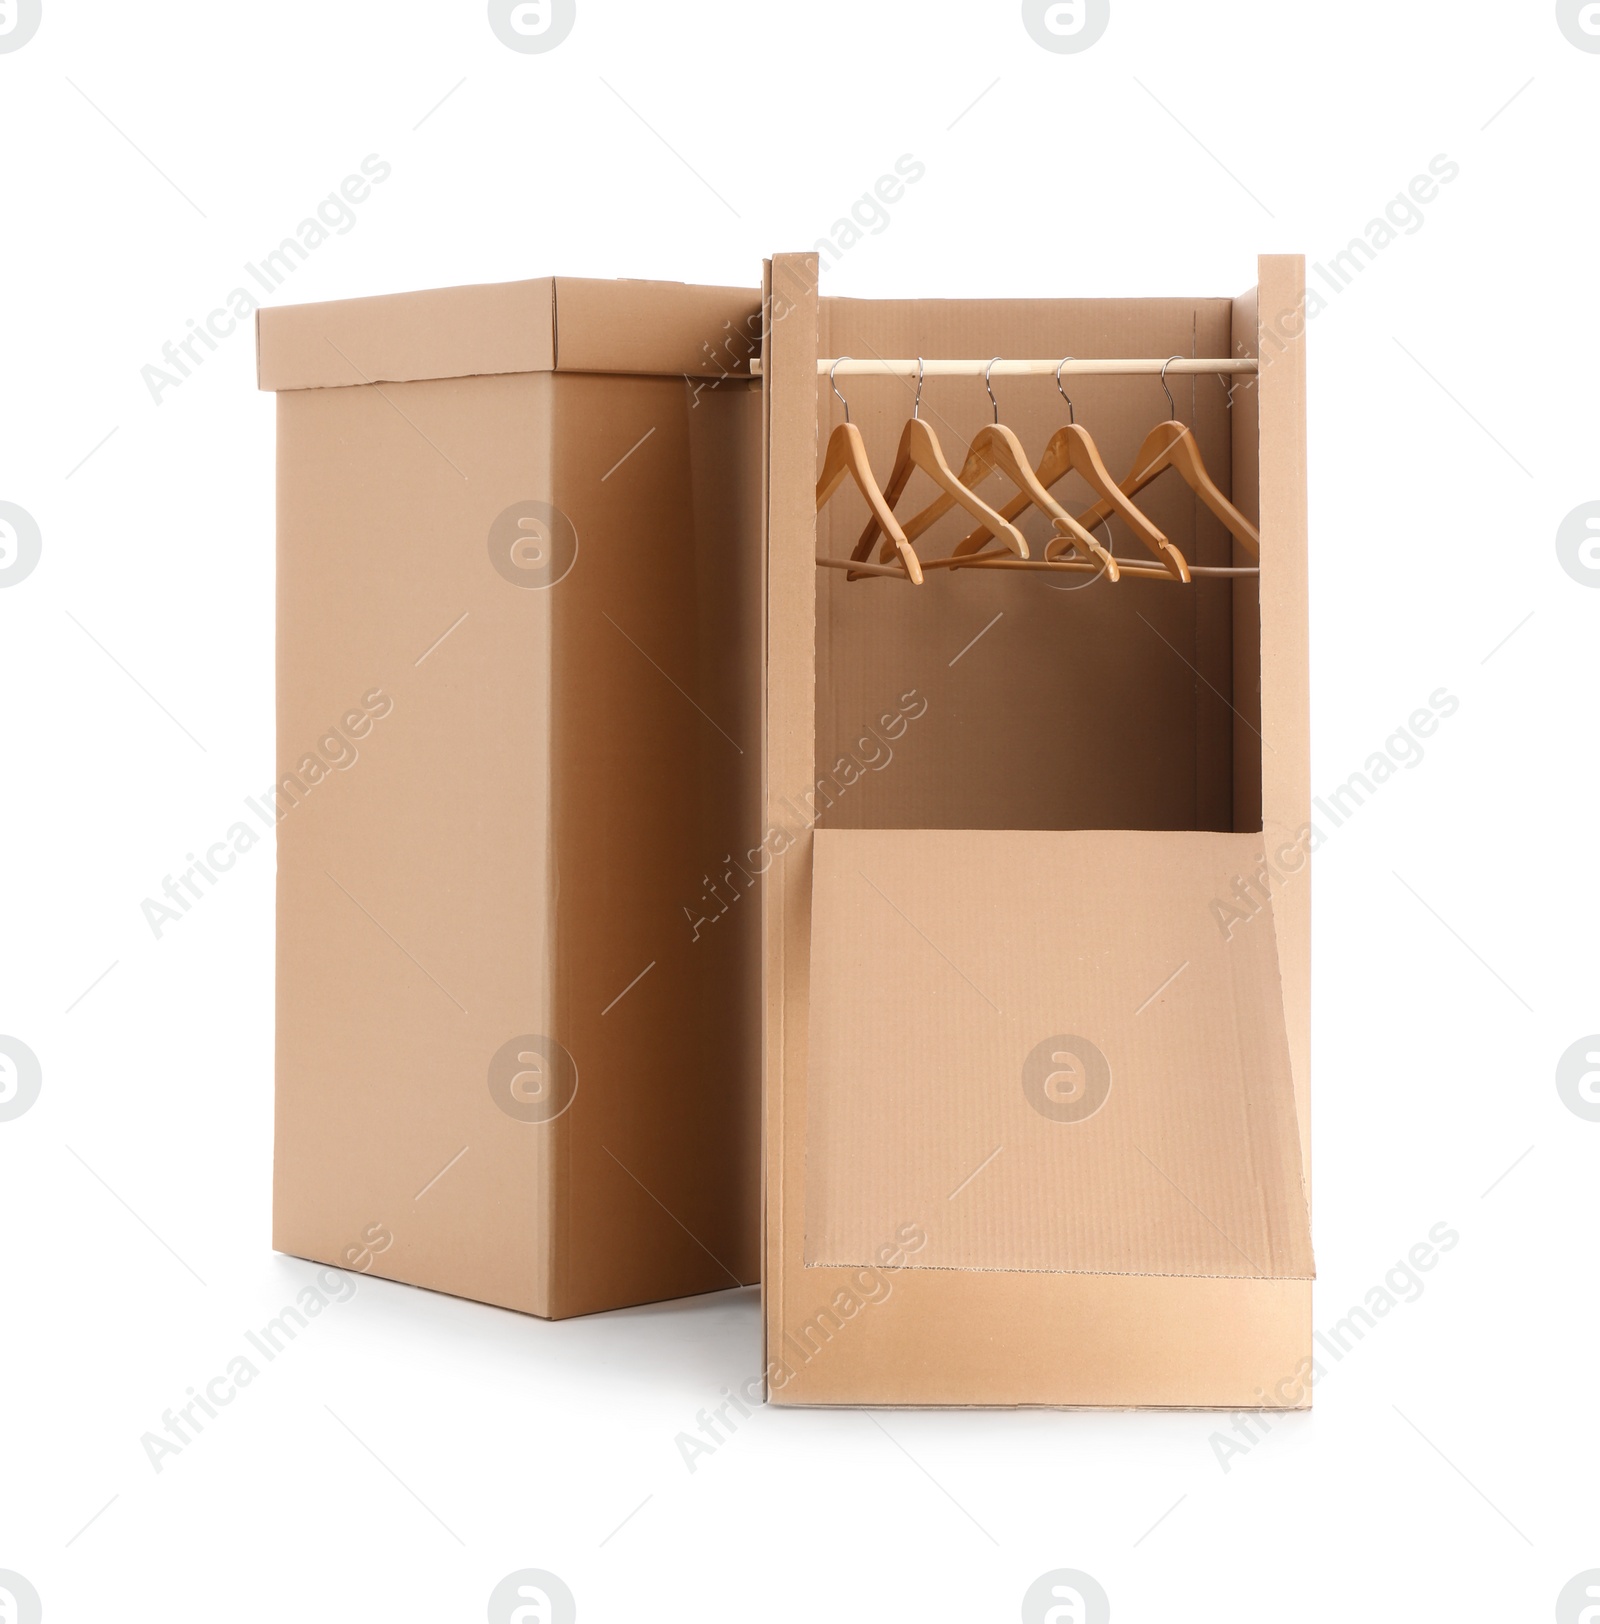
<point>1025,701</point>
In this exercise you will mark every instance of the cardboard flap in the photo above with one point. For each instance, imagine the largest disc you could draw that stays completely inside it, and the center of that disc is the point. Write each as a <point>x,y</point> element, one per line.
<point>552,324</point>
<point>1051,1051</point>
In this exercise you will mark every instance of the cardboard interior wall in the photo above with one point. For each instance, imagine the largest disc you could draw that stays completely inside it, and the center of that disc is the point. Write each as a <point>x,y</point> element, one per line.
<point>1017,807</point>
<point>511,759</point>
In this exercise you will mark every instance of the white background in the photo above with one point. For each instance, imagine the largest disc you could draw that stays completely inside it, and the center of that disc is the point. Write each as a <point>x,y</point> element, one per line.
<point>410,1450</point>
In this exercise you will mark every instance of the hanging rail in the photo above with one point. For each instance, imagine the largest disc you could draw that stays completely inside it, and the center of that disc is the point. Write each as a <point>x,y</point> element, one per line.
<point>1131,569</point>
<point>1183,366</point>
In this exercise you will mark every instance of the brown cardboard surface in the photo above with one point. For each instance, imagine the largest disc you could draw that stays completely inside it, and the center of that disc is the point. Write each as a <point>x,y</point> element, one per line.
<point>519,840</point>
<point>1285,671</point>
<point>402,337</point>
<point>1072,714</point>
<point>655,781</point>
<point>1041,1047</point>
<point>789,354</point>
<point>1246,673</point>
<point>665,327</point>
<point>414,888</point>
<point>567,324</point>
<point>952,1337</point>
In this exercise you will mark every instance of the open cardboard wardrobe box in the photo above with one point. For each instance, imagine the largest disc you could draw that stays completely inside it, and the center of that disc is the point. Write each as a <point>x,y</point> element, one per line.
<point>1037,951</point>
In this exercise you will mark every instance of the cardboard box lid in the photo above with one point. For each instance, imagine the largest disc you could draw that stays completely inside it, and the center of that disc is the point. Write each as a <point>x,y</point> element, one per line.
<point>1042,1048</point>
<point>551,324</point>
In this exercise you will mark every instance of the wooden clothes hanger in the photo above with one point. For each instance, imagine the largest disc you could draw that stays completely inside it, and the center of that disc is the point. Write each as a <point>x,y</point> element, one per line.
<point>997,448</point>
<point>1172,445</point>
<point>846,458</point>
<point>1072,450</point>
<point>919,448</point>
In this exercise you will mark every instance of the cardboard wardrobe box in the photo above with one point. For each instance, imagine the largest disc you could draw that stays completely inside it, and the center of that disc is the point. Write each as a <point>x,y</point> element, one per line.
<point>519,676</point>
<point>1038,951</point>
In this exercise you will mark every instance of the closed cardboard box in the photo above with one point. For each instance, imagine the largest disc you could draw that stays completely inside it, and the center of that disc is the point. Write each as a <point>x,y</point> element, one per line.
<point>519,678</point>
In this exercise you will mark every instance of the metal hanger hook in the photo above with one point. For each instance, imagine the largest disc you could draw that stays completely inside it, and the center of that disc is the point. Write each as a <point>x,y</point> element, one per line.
<point>916,405</point>
<point>1072,415</point>
<point>1172,408</point>
<point>835,388</point>
<point>990,387</point>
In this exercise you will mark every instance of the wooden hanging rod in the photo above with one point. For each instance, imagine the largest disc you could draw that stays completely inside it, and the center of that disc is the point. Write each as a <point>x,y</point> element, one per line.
<point>1184,366</point>
<point>1060,566</point>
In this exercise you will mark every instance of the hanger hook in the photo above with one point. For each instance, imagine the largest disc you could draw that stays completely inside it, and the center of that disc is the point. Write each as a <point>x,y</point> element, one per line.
<point>916,405</point>
<point>1072,416</point>
<point>835,388</point>
<point>990,387</point>
<point>1172,409</point>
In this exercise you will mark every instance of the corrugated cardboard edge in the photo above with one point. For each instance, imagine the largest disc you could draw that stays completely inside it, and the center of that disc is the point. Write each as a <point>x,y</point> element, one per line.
<point>1285,669</point>
<point>771,1008</point>
<point>1246,493</point>
<point>790,337</point>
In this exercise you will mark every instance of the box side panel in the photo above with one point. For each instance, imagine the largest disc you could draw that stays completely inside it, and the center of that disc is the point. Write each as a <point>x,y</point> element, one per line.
<point>660,327</point>
<point>1285,647</point>
<point>790,362</point>
<point>413,835</point>
<point>657,682</point>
